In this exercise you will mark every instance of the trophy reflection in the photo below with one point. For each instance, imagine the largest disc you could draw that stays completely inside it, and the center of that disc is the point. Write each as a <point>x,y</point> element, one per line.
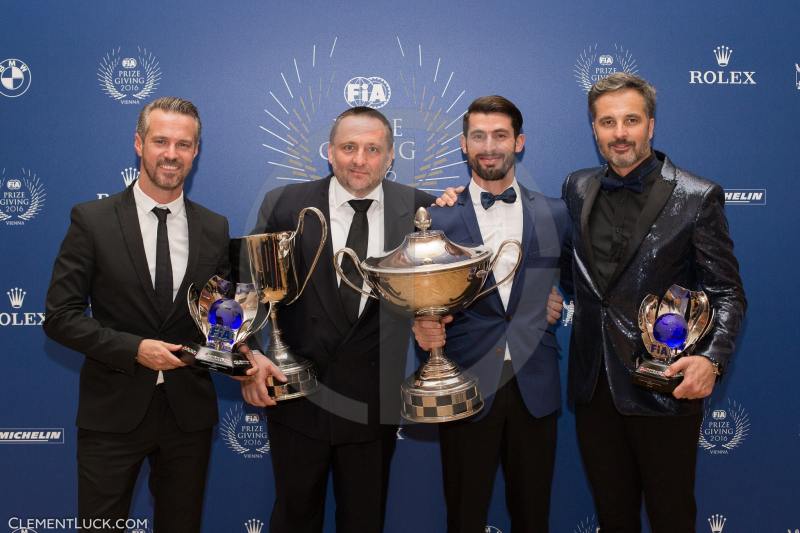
<point>274,274</point>
<point>670,329</point>
<point>227,314</point>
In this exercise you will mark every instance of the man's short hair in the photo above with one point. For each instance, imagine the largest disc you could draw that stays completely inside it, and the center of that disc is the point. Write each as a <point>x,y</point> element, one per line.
<point>620,81</point>
<point>168,104</point>
<point>362,110</point>
<point>495,104</point>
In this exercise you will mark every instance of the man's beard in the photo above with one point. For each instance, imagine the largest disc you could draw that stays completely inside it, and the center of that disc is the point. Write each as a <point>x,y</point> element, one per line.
<point>492,174</point>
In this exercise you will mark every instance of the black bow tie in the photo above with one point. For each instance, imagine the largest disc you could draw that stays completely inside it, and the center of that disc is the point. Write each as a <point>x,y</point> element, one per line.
<point>508,196</point>
<point>607,183</point>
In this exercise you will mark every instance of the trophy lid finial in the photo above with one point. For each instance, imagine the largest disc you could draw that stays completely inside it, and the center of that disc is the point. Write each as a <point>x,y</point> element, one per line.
<point>422,219</point>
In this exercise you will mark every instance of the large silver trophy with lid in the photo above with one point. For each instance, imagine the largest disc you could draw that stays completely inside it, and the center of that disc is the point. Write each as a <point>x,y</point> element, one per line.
<point>428,275</point>
<point>274,273</point>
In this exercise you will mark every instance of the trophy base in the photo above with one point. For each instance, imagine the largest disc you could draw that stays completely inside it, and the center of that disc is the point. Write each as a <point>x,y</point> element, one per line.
<point>230,363</point>
<point>301,379</point>
<point>650,375</point>
<point>432,401</point>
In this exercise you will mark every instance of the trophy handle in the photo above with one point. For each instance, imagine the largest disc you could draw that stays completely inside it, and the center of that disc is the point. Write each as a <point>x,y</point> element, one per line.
<point>353,257</point>
<point>509,242</point>
<point>193,312</point>
<point>321,247</point>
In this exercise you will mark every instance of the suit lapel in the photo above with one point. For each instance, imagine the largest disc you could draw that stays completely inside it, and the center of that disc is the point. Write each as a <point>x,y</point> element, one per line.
<point>397,222</point>
<point>323,279</point>
<point>530,244</point>
<point>132,234</point>
<point>195,225</point>
<point>469,218</point>
<point>659,194</point>
<point>592,189</point>
<point>470,221</point>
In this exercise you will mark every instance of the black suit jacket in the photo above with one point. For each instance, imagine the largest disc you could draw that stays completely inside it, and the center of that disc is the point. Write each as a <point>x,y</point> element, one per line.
<point>681,237</point>
<point>361,367</point>
<point>102,264</point>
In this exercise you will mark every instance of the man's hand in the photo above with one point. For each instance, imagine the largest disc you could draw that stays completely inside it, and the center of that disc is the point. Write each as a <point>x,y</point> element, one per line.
<point>254,383</point>
<point>429,331</point>
<point>449,196</point>
<point>699,376</point>
<point>555,303</point>
<point>157,355</point>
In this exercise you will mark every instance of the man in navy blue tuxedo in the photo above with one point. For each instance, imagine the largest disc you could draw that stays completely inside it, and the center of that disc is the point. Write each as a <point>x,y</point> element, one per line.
<point>503,338</point>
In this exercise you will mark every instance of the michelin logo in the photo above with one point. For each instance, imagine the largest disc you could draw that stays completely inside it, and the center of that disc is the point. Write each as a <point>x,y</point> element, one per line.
<point>746,196</point>
<point>32,435</point>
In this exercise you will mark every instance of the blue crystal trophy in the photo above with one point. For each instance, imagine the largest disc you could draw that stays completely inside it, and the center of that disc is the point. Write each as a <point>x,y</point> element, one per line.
<point>670,329</point>
<point>227,314</point>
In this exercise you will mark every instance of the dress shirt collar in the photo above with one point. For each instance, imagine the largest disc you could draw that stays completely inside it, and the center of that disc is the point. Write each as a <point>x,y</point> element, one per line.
<point>340,196</point>
<point>146,204</point>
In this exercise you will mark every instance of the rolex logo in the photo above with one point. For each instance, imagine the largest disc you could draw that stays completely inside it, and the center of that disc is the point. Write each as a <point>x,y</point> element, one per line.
<point>717,522</point>
<point>16,296</point>
<point>723,55</point>
<point>130,175</point>
<point>253,525</point>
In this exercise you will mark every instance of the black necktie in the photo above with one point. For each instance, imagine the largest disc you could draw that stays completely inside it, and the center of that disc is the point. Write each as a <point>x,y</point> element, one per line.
<point>607,183</point>
<point>357,239</point>
<point>163,283</point>
<point>508,196</point>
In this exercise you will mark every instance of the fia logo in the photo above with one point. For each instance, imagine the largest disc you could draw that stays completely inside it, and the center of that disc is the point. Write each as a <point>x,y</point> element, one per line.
<point>21,198</point>
<point>722,55</point>
<point>128,79</point>
<point>15,77</point>
<point>253,525</point>
<point>594,65</point>
<point>491,529</point>
<point>16,297</point>
<point>425,115</point>
<point>716,522</point>
<point>245,432</point>
<point>23,530</point>
<point>723,430</point>
<point>372,92</point>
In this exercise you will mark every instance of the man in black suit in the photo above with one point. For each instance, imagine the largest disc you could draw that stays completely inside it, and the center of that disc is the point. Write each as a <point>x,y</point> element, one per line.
<point>358,346</point>
<point>640,225</point>
<point>132,257</point>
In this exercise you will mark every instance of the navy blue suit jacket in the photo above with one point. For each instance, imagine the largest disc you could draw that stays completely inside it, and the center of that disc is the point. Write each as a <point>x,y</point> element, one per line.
<point>477,337</point>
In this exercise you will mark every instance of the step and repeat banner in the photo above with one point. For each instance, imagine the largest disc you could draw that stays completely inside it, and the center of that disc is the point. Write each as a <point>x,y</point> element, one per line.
<point>268,78</point>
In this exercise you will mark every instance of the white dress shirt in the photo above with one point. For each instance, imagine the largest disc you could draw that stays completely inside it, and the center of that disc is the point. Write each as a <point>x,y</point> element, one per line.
<point>178,231</point>
<point>342,217</point>
<point>500,222</point>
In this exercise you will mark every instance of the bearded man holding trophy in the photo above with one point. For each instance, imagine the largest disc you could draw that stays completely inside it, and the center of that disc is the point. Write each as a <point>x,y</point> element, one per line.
<point>639,367</point>
<point>503,338</point>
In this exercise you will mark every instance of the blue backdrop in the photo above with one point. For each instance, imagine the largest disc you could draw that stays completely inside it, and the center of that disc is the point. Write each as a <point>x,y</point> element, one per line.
<point>268,78</point>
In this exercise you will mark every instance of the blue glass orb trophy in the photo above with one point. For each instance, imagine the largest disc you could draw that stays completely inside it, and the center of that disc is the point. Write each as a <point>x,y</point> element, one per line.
<point>670,329</point>
<point>227,314</point>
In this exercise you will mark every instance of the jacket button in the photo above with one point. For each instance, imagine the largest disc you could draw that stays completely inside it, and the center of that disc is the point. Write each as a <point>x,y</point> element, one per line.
<point>508,318</point>
<point>605,303</point>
